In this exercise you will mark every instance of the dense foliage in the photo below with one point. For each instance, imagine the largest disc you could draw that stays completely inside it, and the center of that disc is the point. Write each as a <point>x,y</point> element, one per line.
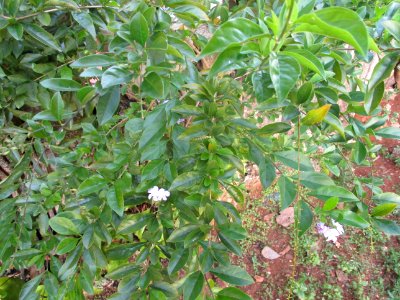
<point>101,101</point>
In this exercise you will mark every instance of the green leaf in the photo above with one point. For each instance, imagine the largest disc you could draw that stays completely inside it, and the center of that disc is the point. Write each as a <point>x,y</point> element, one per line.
<point>290,159</point>
<point>16,31</point>
<point>315,116</point>
<point>305,93</point>
<point>178,260</point>
<point>326,192</point>
<point>166,288</point>
<point>230,243</point>
<point>114,202</point>
<point>273,128</point>
<point>180,234</point>
<point>186,109</point>
<point>61,84</point>
<point>373,99</point>
<point>94,60</point>
<point>339,23</point>
<point>124,251</point>
<point>307,59</point>
<point>63,225</point>
<point>359,153</point>
<point>393,27</point>
<point>186,180</point>
<point>382,70</point>
<point>233,31</point>
<point>305,217</point>
<point>387,198</point>
<point>314,180</point>
<point>193,285</point>
<point>66,245</point>
<point>352,219</point>
<point>336,124</point>
<point>70,264</point>
<point>132,223</point>
<point>154,127</point>
<point>91,185</point>
<point>287,190</point>
<point>229,59</point>
<point>284,72</point>
<point>19,169</point>
<point>42,36</point>
<point>389,133</point>
<point>387,226</point>
<point>139,28</point>
<point>153,86</point>
<point>115,76</point>
<point>233,275</point>
<point>28,291</point>
<point>383,209</point>
<point>330,204</point>
<point>232,293</point>
<point>124,271</point>
<point>107,105</point>
<point>85,20</point>
<point>57,106</point>
<point>234,231</point>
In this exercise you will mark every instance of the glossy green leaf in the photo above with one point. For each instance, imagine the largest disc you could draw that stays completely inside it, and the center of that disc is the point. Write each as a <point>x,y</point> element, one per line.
<point>120,252</point>
<point>180,234</point>
<point>154,127</point>
<point>166,288</point>
<point>273,128</point>
<point>229,59</point>
<point>305,93</point>
<point>306,59</point>
<point>287,191</point>
<point>292,158</point>
<point>85,20</point>
<point>374,98</point>
<point>16,31</point>
<point>61,84</point>
<point>359,153</point>
<point>115,76</point>
<point>193,285</point>
<point>92,185</point>
<point>63,225</point>
<point>108,105</point>
<point>28,291</point>
<point>305,217</point>
<point>388,197</point>
<point>352,219</point>
<point>330,204</point>
<point>70,265</point>
<point>336,124</point>
<point>233,31</point>
<point>94,60</point>
<point>233,275</point>
<point>41,35</point>
<point>232,293</point>
<point>339,23</point>
<point>284,72</point>
<point>393,27</point>
<point>123,271</point>
<point>186,180</point>
<point>153,86</point>
<point>383,209</point>
<point>132,223</point>
<point>314,180</point>
<point>326,192</point>
<point>387,226</point>
<point>230,243</point>
<point>66,245</point>
<point>389,133</point>
<point>18,170</point>
<point>57,106</point>
<point>139,28</point>
<point>178,260</point>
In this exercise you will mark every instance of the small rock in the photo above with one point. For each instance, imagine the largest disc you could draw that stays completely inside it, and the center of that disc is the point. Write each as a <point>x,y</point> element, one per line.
<point>258,279</point>
<point>286,217</point>
<point>284,251</point>
<point>268,218</point>
<point>269,253</point>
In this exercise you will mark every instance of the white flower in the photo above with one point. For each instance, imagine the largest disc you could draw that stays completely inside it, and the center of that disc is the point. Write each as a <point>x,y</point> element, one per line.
<point>157,194</point>
<point>331,234</point>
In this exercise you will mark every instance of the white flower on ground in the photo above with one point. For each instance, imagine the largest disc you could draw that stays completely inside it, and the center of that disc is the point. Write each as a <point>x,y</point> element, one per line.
<point>331,234</point>
<point>157,194</point>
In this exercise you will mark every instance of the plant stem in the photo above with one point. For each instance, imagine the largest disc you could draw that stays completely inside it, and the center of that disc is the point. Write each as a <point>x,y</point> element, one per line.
<point>285,26</point>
